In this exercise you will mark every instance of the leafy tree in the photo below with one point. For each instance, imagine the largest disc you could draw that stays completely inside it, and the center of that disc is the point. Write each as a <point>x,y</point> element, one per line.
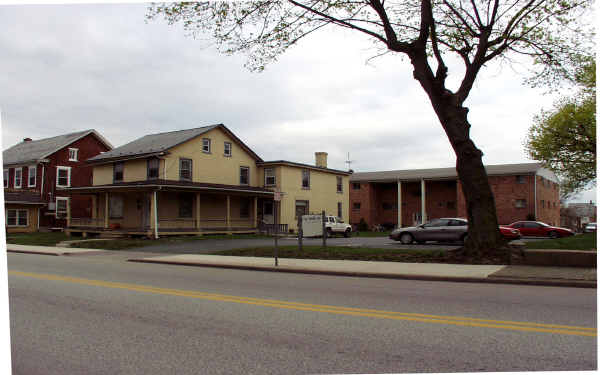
<point>428,33</point>
<point>564,138</point>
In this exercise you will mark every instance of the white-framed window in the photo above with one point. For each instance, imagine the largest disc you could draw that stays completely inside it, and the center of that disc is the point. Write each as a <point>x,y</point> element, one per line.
<point>152,167</point>
<point>18,178</point>
<point>270,177</point>
<point>185,169</point>
<point>63,176</point>
<point>118,172</point>
<point>6,178</point>
<point>301,208</point>
<point>520,203</point>
<point>17,218</point>
<point>244,175</point>
<point>305,179</point>
<point>115,207</point>
<point>73,154</point>
<point>206,145</point>
<point>339,187</point>
<point>62,206</point>
<point>31,176</point>
<point>227,149</point>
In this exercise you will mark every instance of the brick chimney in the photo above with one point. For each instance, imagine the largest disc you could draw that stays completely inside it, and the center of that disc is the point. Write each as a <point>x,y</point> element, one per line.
<point>321,159</point>
<point>27,139</point>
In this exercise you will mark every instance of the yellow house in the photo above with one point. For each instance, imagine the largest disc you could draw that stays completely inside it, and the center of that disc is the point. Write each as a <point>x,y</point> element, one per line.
<point>202,180</point>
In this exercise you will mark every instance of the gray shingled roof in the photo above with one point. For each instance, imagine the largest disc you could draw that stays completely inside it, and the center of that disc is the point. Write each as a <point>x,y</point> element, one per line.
<point>153,143</point>
<point>31,151</point>
<point>442,173</point>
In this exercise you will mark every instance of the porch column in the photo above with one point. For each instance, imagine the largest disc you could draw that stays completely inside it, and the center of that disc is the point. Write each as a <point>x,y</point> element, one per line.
<point>69,212</point>
<point>94,207</point>
<point>255,212</point>
<point>399,204</point>
<point>423,199</point>
<point>228,212</point>
<point>198,211</point>
<point>106,210</point>
<point>154,215</point>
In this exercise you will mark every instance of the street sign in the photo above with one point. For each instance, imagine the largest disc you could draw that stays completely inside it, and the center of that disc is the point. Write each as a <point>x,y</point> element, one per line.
<point>312,225</point>
<point>277,196</point>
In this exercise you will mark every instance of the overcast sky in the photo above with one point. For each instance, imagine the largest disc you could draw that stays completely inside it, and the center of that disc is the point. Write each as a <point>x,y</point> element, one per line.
<point>72,67</point>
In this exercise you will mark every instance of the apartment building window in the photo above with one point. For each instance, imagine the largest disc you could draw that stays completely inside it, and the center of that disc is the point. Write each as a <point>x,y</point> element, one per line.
<point>520,179</point>
<point>520,203</point>
<point>206,145</point>
<point>6,178</point>
<point>339,214</point>
<point>227,149</point>
<point>186,205</point>
<point>118,172</point>
<point>63,176</point>
<point>301,208</point>
<point>356,206</point>
<point>61,207</point>
<point>245,208</point>
<point>339,184</point>
<point>17,218</point>
<point>244,175</point>
<point>305,179</point>
<point>18,177</point>
<point>356,186</point>
<point>32,174</point>
<point>543,204</point>
<point>152,170</point>
<point>73,154</point>
<point>115,207</point>
<point>270,177</point>
<point>185,169</point>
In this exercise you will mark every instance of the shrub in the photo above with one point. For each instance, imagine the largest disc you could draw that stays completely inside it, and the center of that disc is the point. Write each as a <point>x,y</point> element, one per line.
<point>362,225</point>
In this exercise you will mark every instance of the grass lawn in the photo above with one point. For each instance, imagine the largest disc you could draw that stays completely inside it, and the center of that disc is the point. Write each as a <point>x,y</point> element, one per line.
<point>129,243</point>
<point>36,238</point>
<point>585,241</point>
<point>341,252</point>
<point>371,234</point>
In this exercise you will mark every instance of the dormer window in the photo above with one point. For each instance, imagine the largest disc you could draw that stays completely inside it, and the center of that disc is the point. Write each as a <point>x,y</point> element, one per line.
<point>153,168</point>
<point>73,154</point>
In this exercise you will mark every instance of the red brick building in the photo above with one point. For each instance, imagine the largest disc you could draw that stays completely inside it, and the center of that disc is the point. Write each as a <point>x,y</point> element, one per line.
<point>34,169</point>
<point>522,191</point>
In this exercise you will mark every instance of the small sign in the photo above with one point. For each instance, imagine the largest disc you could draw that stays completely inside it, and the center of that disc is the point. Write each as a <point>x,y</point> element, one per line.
<point>277,196</point>
<point>312,225</point>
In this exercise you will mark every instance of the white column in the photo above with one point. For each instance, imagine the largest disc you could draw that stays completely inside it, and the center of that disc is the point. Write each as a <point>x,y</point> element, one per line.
<point>399,204</point>
<point>155,209</point>
<point>423,199</point>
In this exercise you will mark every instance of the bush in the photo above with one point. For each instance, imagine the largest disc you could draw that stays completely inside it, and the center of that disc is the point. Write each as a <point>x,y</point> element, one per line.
<point>362,225</point>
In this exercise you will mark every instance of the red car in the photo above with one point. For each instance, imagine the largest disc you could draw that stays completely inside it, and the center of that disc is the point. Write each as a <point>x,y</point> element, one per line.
<point>539,229</point>
<point>510,233</point>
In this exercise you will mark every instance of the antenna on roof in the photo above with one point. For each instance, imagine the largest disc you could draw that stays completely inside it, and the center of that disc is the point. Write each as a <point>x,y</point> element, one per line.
<point>349,162</point>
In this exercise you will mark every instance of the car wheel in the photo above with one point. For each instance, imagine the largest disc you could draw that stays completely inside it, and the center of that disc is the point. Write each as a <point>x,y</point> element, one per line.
<point>347,233</point>
<point>553,234</point>
<point>406,238</point>
<point>329,232</point>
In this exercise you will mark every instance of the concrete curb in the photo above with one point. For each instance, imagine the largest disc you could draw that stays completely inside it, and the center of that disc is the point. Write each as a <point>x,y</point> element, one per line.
<point>489,280</point>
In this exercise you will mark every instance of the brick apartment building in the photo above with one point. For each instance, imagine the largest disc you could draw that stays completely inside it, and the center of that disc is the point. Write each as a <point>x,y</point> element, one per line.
<point>521,191</point>
<point>34,169</point>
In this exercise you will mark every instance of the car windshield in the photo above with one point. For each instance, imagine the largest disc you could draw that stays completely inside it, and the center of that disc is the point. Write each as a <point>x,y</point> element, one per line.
<point>543,224</point>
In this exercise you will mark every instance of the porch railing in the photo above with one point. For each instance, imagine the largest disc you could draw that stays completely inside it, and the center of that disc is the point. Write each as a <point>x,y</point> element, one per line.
<point>87,222</point>
<point>272,228</point>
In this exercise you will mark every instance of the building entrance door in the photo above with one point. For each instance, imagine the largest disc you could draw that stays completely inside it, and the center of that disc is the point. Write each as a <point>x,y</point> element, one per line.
<point>268,212</point>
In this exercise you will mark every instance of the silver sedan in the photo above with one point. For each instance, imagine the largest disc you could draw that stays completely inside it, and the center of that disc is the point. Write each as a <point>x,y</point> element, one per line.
<point>444,229</point>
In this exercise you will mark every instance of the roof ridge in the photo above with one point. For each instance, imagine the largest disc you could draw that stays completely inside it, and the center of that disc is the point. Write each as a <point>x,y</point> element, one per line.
<point>181,130</point>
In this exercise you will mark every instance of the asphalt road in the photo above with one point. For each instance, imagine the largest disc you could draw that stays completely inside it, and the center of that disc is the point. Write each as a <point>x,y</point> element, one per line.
<point>100,315</point>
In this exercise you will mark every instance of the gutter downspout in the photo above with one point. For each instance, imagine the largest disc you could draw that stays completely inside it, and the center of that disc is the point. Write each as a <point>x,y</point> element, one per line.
<point>535,196</point>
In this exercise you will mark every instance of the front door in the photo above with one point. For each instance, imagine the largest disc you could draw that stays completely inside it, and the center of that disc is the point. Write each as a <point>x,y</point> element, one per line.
<point>146,211</point>
<point>268,212</point>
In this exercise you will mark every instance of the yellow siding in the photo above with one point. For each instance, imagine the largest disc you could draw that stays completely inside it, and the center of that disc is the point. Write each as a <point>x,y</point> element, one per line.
<point>215,168</point>
<point>103,174</point>
<point>32,218</point>
<point>322,194</point>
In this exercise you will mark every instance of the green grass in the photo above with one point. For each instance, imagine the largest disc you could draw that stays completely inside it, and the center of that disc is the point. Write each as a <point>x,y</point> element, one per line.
<point>585,241</point>
<point>129,243</point>
<point>36,238</point>
<point>371,234</point>
<point>340,253</point>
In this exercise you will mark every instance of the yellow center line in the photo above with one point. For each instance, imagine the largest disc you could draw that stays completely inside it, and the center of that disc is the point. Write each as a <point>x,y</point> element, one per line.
<point>382,314</point>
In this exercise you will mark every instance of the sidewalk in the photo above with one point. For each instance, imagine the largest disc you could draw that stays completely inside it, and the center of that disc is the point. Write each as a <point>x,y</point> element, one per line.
<point>500,274</point>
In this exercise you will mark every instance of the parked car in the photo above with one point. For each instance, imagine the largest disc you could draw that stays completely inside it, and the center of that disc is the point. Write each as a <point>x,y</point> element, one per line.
<point>510,233</point>
<point>590,228</point>
<point>443,229</point>
<point>539,229</point>
<point>335,225</point>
